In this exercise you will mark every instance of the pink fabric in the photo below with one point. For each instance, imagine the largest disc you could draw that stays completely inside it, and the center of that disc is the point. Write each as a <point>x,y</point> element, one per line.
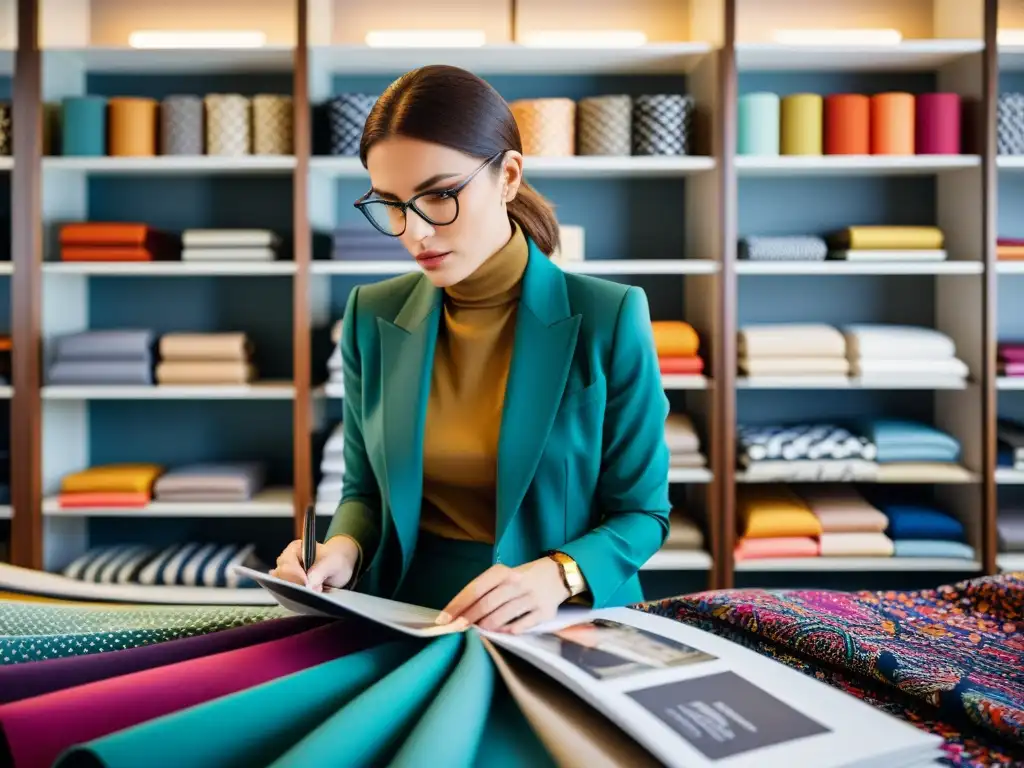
<point>1011,351</point>
<point>790,546</point>
<point>1010,241</point>
<point>841,509</point>
<point>1012,369</point>
<point>937,124</point>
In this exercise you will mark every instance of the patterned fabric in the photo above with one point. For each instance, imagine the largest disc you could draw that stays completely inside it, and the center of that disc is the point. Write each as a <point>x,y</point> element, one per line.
<point>605,125</point>
<point>547,127</point>
<point>228,125</point>
<point>6,138</point>
<point>802,441</point>
<point>1010,124</point>
<point>272,125</point>
<point>346,115</point>
<point>183,565</point>
<point>661,124</point>
<point>37,631</point>
<point>947,660</point>
<point>181,125</point>
<point>786,248</point>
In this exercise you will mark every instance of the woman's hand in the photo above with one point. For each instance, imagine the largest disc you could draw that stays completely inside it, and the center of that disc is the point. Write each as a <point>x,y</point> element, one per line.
<point>334,565</point>
<point>504,599</point>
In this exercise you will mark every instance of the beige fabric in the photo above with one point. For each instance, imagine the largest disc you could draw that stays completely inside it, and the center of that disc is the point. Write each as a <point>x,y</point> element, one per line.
<point>923,472</point>
<point>547,126</point>
<point>794,366</point>
<point>204,346</point>
<point>790,340</point>
<point>183,372</point>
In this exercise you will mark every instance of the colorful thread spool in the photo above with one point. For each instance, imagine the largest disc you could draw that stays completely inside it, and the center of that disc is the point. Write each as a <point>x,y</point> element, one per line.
<point>937,124</point>
<point>132,127</point>
<point>801,121</point>
<point>892,124</point>
<point>604,125</point>
<point>84,126</point>
<point>757,129</point>
<point>847,124</point>
<point>547,127</point>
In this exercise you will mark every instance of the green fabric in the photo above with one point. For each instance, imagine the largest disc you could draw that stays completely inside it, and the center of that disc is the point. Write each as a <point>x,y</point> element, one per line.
<point>440,569</point>
<point>37,631</point>
<point>508,740</point>
<point>251,727</point>
<point>582,459</point>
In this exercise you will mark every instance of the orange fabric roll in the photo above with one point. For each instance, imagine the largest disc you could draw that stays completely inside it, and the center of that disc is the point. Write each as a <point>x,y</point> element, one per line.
<point>106,253</point>
<point>132,127</point>
<point>892,124</point>
<point>680,365</point>
<point>847,124</point>
<point>674,338</point>
<point>88,233</point>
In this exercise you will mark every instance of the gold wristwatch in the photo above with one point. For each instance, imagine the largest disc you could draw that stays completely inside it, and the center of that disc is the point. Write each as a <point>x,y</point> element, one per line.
<point>571,573</point>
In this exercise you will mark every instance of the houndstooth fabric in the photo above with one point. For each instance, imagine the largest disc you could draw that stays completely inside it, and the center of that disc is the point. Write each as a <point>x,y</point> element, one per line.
<point>6,139</point>
<point>1010,124</point>
<point>272,125</point>
<point>783,248</point>
<point>661,124</point>
<point>547,127</point>
<point>181,125</point>
<point>228,125</point>
<point>346,115</point>
<point>816,442</point>
<point>604,125</point>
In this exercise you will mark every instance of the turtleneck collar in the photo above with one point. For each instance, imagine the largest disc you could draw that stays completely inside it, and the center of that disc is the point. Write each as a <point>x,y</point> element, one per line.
<point>498,280</point>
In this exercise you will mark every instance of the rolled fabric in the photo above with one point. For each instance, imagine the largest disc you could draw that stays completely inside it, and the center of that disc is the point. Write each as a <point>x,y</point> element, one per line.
<point>847,124</point>
<point>181,125</point>
<point>757,131</point>
<point>892,124</point>
<point>801,121</point>
<point>346,117</point>
<point>662,124</point>
<point>84,126</point>
<point>132,127</point>
<point>783,248</point>
<point>604,125</point>
<point>1010,124</point>
<point>5,128</point>
<point>547,126</point>
<point>228,124</point>
<point>937,124</point>
<point>272,125</point>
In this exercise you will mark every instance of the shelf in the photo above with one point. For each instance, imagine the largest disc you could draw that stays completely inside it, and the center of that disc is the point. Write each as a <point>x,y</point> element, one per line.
<point>6,512</point>
<point>1010,382</point>
<point>184,61</point>
<point>907,56</point>
<point>169,268</point>
<point>1011,58</point>
<point>1010,562</point>
<point>6,392</point>
<point>1010,267</point>
<point>6,268</point>
<point>837,267</point>
<point>678,560</point>
<point>836,382</point>
<point>6,164</point>
<point>592,267</point>
<point>883,564</point>
<point>172,165</point>
<point>656,58</point>
<point>853,165</point>
<point>538,167</point>
<point>258,391</point>
<point>1014,163</point>
<point>696,476</point>
<point>269,503</point>
<point>675,381</point>
<point>1008,476</point>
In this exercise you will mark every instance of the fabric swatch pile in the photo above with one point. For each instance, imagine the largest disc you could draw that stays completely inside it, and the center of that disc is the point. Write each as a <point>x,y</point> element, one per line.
<point>213,245</point>
<point>792,349</point>
<point>114,357</point>
<point>677,345</point>
<point>850,525</point>
<point>364,243</point>
<point>187,564</point>
<point>218,483</point>
<point>920,529</point>
<point>772,521</point>
<point>1011,358</point>
<point>1010,445</point>
<point>120,242</point>
<point>887,243</point>
<point>6,348</point>
<point>783,248</point>
<point>913,452</point>
<point>1010,249</point>
<point>684,534</point>
<point>683,442</point>
<point>804,452</point>
<point>124,485</point>
<point>205,358</point>
<point>1010,530</point>
<point>905,355</point>
<point>332,472</point>
<point>335,386</point>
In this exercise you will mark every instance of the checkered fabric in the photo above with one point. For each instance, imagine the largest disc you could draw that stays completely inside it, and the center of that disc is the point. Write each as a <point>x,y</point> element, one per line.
<point>547,127</point>
<point>272,125</point>
<point>346,116</point>
<point>604,125</point>
<point>228,124</point>
<point>1010,124</point>
<point>6,140</point>
<point>661,124</point>
<point>181,125</point>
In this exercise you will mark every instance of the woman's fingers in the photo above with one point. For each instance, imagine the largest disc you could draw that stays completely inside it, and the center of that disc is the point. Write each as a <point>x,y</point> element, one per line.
<point>508,590</point>
<point>507,613</point>
<point>473,591</point>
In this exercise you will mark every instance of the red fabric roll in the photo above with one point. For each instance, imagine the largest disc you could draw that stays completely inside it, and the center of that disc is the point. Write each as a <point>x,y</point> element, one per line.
<point>937,124</point>
<point>847,124</point>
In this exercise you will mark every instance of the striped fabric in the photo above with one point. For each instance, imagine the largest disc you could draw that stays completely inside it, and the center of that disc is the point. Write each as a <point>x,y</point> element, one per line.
<point>191,564</point>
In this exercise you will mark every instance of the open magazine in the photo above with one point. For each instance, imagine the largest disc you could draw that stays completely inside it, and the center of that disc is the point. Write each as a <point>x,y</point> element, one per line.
<point>687,697</point>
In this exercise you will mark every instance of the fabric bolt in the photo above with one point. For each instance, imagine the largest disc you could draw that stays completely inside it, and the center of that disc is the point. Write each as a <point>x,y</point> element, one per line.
<point>783,248</point>
<point>1011,369</point>
<point>773,511</point>
<point>1011,351</point>
<point>108,253</point>
<point>115,344</point>
<point>675,338</point>
<point>662,124</point>
<point>790,340</point>
<point>680,365</point>
<point>802,441</point>
<point>801,116</point>
<point>100,372</point>
<point>892,124</point>
<point>904,440</point>
<point>794,366</point>
<point>112,477</point>
<point>680,434</point>
<point>230,238</point>
<point>6,129</point>
<point>194,347</point>
<point>855,545</point>
<point>922,472</point>
<point>228,124</point>
<point>133,126</point>
<point>181,125</point>
<point>193,564</point>
<point>121,499</point>
<point>189,373</point>
<point>877,341</point>
<point>757,126</point>
<point>84,234</point>
<point>84,126</point>
<point>884,237</point>
<point>776,546</point>
<point>933,548</point>
<point>347,115</point>
<point>547,126</point>
<point>937,124</point>
<point>847,124</point>
<point>841,509</point>
<point>919,521</point>
<point>880,255</point>
<point>604,125</point>
<point>272,132</point>
<point>242,478</point>
<point>1010,124</point>
<point>950,368</point>
<point>228,254</point>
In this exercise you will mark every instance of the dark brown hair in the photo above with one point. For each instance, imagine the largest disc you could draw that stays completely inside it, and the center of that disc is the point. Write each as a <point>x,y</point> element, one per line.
<point>455,108</point>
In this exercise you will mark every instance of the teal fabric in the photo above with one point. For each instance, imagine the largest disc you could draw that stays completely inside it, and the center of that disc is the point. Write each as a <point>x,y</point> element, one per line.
<point>582,459</point>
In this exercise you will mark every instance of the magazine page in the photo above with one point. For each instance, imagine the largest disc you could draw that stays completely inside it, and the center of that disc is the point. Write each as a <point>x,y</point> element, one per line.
<point>694,699</point>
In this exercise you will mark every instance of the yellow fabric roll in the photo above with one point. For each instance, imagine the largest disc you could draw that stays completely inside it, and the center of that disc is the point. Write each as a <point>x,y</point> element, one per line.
<point>129,478</point>
<point>801,124</point>
<point>887,237</point>
<point>546,126</point>
<point>675,338</point>
<point>774,511</point>
<point>132,129</point>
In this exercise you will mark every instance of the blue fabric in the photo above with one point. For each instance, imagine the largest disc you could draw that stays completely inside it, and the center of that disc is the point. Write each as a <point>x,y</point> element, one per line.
<point>900,440</point>
<point>932,548</point>
<point>909,521</point>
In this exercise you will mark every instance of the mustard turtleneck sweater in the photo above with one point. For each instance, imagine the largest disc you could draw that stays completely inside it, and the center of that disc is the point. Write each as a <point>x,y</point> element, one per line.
<point>467,391</point>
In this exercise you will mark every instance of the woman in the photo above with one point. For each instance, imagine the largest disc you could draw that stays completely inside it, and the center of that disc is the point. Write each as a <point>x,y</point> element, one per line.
<point>504,421</point>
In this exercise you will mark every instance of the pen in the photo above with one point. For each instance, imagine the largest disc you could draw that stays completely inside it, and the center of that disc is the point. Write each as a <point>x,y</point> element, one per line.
<point>309,538</point>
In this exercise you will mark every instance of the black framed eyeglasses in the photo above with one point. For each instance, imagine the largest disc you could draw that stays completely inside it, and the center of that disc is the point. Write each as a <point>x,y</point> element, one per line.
<point>438,208</point>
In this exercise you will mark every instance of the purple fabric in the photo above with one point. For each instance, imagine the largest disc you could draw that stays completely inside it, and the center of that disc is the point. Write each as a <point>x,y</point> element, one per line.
<point>23,681</point>
<point>1011,353</point>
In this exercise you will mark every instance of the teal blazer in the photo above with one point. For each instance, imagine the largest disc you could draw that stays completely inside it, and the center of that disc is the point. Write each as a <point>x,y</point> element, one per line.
<point>582,459</point>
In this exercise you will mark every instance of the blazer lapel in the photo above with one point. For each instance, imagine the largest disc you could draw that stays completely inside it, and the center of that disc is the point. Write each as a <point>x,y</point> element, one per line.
<point>407,358</point>
<point>545,339</point>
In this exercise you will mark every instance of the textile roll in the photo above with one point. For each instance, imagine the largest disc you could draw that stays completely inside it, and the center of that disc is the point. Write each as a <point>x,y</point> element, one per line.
<point>181,125</point>
<point>937,124</point>
<point>757,132</point>
<point>5,128</point>
<point>546,126</point>
<point>228,124</point>
<point>801,121</point>
<point>84,126</point>
<point>847,124</point>
<point>661,124</point>
<point>346,115</point>
<point>605,125</point>
<point>892,124</point>
<point>272,125</point>
<point>1010,124</point>
<point>132,127</point>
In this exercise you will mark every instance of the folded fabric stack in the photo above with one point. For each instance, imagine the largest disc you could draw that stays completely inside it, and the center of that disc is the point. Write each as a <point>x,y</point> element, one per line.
<point>110,241</point>
<point>364,243</point>
<point>124,485</point>
<point>683,442</point>
<point>923,530</point>
<point>804,452</point>
<point>205,358</point>
<point>190,564</point>
<point>902,354</point>
<point>684,535</point>
<point>677,345</point>
<point>1011,358</point>
<point>116,357</point>
<point>772,521</point>
<point>1010,528</point>
<point>332,471</point>
<point>783,248</point>
<point>229,245</point>
<point>335,386</point>
<point>215,483</point>
<point>885,243</point>
<point>1010,249</point>
<point>850,525</point>
<point>792,349</point>
<point>5,458</point>
<point>6,348</point>
<point>913,452</point>
<point>1010,436</point>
